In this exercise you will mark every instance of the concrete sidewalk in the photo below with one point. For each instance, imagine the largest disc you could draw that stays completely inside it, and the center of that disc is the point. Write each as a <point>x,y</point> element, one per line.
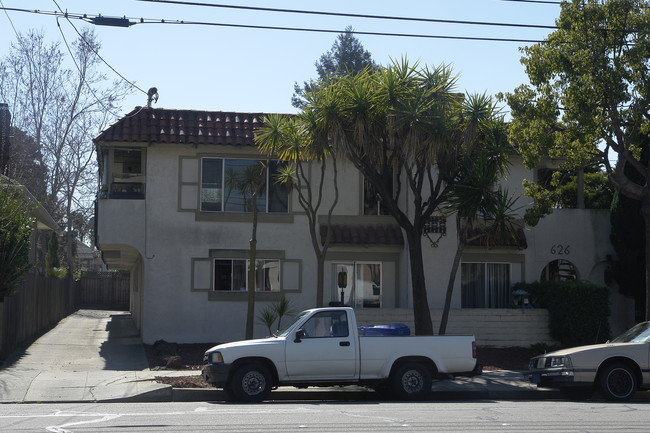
<point>97,356</point>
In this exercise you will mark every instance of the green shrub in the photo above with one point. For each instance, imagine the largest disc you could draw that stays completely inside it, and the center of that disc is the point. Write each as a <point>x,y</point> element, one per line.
<point>578,310</point>
<point>15,232</point>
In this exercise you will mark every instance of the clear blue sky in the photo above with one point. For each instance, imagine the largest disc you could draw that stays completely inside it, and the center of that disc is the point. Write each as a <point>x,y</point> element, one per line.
<point>249,70</point>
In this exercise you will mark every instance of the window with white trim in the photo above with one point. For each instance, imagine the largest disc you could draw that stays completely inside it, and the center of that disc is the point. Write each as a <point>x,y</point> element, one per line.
<point>232,275</point>
<point>485,285</point>
<point>225,186</point>
<point>358,284</point>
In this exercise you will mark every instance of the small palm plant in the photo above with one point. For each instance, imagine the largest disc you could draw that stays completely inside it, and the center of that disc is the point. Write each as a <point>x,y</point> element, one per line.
<point>282,307</point>
<point>267,317</point>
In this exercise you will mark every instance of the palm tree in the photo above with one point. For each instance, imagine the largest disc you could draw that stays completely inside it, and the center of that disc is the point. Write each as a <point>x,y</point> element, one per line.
<point>404,123</point>
<point>267,317</point>
<point>292,140</point>
<point>250,183</point>
<point>282,307</point>
<point>482,211</point>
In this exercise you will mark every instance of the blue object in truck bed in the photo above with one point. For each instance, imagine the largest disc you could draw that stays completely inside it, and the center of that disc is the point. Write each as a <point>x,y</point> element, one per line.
<point>393,329</point>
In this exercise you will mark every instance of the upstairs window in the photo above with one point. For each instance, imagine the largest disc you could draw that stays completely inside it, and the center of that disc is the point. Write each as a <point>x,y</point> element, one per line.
<point>227,185</point>
<point>123,174</point>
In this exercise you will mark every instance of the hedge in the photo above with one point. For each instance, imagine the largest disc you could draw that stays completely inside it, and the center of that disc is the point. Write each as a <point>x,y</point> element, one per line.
<point>578,310</point>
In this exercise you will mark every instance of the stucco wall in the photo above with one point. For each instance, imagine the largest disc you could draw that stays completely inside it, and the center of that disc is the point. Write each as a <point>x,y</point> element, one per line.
<point>175,247</point>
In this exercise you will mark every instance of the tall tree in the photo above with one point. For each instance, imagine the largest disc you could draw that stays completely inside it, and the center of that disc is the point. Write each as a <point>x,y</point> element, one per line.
<point>293,141</point>
<point>483,211</point>
<point>25,164</point>
<point>588,98</point>
<point>249,183</point>
<point>62,109</point>
<point>408,124</point>
<point>52,260</point>
<point>347,56</point>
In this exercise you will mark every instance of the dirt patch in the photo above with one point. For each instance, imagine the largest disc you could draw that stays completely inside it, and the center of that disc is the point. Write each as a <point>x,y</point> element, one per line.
<point>183,357</point>
<point>173,356</point>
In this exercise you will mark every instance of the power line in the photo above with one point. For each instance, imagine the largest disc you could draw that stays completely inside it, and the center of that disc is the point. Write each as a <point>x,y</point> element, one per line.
<point>535,1</point>
<point>132,84</point>
<point>81,75</point>
<point>90,18</point>
<point>350,15</point>
<point>356,32</point>
<point>9,18</point>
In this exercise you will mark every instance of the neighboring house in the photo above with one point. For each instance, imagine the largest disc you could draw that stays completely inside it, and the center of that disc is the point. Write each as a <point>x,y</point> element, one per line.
<point>169,213</point>
<point>88,259</point>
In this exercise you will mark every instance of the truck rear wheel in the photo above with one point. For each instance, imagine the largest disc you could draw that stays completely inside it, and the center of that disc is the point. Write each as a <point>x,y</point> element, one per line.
<point>251,383</point>
<point>411,381</point>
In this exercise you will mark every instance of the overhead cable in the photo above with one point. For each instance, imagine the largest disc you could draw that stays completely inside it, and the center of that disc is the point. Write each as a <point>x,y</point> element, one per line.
<point>349,15</point>
<point>90,18</point>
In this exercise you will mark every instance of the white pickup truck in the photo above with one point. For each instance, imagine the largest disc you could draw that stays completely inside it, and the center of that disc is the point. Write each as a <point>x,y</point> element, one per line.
<point>322,347</point>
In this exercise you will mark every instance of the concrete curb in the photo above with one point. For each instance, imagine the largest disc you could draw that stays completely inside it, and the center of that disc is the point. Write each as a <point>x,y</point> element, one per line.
<point>289,393</point>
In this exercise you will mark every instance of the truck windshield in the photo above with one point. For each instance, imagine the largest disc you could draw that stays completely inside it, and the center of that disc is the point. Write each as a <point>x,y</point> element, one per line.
<point>285,329</point>
<point>637,334</point>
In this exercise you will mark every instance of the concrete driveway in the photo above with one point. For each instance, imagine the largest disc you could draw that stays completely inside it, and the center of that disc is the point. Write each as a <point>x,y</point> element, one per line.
<point>91,355</point>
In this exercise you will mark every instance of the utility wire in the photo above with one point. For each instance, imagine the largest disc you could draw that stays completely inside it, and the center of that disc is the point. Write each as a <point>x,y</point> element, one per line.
<point>535,1</point>
<point>132,84</point>
<point>89,18</point>
<point>9,18</point>
<point>356,32</point>
<point>81,75</point>
<point>349,15</point>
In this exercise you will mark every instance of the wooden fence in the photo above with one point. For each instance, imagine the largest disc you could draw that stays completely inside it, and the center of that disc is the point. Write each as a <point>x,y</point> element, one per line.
<point>37,305</point>
<point>40,302</point>
<point>102,291</point>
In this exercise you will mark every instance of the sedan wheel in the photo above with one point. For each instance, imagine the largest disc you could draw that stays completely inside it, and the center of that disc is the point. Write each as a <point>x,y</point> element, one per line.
<point>618,382</point>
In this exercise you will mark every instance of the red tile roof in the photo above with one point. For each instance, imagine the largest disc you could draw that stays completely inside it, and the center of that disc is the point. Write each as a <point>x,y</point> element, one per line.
<point>159,125</point>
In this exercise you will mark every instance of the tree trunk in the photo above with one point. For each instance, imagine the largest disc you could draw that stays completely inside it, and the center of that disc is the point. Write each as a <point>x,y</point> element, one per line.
<point>421,312</point>
<point>645,211</point>
<point>250,310</point>
<point>450,288</point>
<point>252,258</point>
<point>320,281</point>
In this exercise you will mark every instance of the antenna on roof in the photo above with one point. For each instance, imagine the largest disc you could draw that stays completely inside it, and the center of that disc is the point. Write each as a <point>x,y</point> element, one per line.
<point>152,95</point>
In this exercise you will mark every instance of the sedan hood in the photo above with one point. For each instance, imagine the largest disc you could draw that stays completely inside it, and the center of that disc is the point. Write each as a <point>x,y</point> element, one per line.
<point>590,349</point>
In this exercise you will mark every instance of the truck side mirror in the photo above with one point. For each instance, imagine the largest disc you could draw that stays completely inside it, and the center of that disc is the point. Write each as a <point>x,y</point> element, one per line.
<point>299,335</point>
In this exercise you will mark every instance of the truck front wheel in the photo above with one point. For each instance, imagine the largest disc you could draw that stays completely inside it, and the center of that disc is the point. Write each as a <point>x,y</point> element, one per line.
<point>411,381</point>
<point>251,383</point>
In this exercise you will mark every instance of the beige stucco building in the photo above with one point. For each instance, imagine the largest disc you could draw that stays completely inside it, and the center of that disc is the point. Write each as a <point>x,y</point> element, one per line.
<point>170,212</point>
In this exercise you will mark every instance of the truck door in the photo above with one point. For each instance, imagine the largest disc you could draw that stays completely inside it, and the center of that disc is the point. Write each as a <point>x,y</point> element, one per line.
<point>325,350</point>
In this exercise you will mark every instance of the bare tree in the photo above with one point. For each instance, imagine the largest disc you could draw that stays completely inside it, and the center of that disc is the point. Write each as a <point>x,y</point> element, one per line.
<point>62,108</point>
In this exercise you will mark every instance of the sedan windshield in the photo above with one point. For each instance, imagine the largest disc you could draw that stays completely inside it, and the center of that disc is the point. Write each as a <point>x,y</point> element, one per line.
<point>637,334</point>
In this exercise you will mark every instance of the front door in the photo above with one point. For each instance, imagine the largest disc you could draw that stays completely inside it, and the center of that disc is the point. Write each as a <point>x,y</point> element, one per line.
<point>326,351</point>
